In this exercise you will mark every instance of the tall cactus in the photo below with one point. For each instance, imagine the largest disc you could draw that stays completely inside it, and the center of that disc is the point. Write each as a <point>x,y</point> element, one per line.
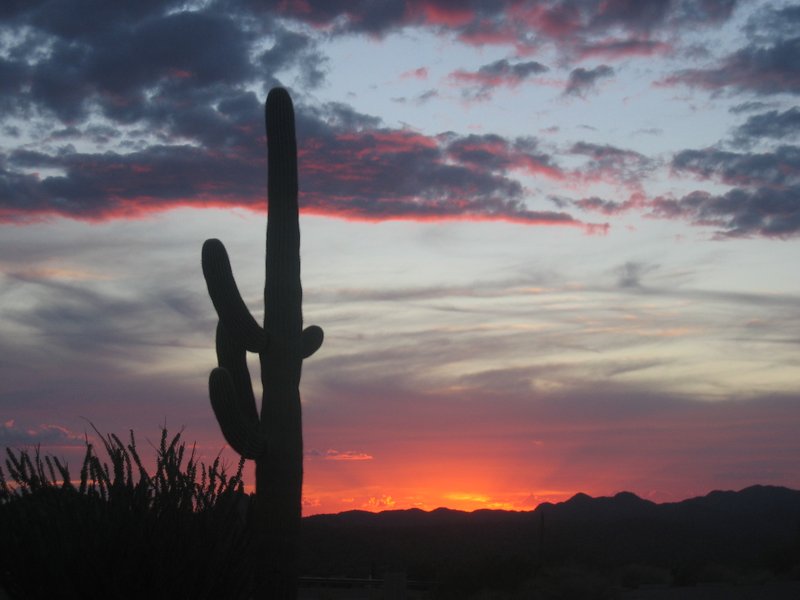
<point>274,440</point>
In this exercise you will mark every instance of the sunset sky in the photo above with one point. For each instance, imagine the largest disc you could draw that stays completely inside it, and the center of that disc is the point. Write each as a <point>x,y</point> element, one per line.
<point>553,244</point>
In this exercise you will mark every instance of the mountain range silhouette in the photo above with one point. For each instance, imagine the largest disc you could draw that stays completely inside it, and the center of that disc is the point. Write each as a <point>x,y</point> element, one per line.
<point>724,534</point>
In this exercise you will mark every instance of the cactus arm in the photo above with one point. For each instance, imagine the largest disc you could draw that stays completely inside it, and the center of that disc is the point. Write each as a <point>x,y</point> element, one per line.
<point>311,340</point>
<point>227,300</point>
<point>233,358</point>
<point>241,432</point>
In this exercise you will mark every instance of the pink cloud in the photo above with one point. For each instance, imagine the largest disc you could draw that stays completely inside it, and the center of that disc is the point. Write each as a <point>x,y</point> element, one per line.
<point>13,435</point>
<point>616,49</point>
<point>332,454</point>
<point>421,73</point>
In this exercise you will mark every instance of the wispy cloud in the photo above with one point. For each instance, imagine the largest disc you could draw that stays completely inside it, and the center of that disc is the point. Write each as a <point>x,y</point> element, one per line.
<point>47,436</point>
<point>478,85</point>
<point>332,454</point>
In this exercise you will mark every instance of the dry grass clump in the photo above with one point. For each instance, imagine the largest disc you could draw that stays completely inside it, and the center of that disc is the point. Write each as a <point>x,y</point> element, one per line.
<point>120,531</point>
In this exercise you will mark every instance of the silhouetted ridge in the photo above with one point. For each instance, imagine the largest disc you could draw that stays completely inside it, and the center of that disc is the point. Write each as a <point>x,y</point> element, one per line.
<point>757,528</point>
<point>579,499</point>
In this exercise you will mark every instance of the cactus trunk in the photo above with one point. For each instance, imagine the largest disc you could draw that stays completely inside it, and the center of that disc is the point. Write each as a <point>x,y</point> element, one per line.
<point>274,440</point>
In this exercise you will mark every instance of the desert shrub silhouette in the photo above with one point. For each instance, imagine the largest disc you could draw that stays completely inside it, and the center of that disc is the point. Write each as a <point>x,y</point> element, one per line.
<point>121,531</point>
<point>273,439</point>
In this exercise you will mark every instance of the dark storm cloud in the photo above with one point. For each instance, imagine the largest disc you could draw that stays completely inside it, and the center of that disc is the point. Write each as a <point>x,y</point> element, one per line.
<point>740,212</point>
<point>581,80</point>
<point>777,169</point>
<point>772,125</point>
<point>295,49</point>
<point>345,16</point>
<point>132,62</point>
<point>640,15</point>
<point>522,24</point>
<point>351,167</point>
<point>770,24</point>
<point>760,69</point>
<point>644,16</point>
<point>112,185</point>
<point>116,69</point>
<point>505,71</point>
<point>18,194</point>
<point>766,65</point>
<point>765,199</point>
<point>69,18</point>
<point>13,74</point>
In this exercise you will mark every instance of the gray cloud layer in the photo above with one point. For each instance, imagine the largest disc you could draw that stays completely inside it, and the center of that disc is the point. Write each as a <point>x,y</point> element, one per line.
<point>149,106</point>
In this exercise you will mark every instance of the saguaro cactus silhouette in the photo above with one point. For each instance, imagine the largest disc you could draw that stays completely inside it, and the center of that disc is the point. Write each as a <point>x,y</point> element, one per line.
<point>274,440</point>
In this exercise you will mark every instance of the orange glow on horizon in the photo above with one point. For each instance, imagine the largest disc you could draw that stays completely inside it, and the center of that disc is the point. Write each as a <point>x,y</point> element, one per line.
<point>426,476</point>
<point>369,500</point>
<point>425,479</point>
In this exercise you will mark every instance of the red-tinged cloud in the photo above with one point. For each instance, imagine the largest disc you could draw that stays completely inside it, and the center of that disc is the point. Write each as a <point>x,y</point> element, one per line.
<point>110,185</point>
<point>617,49</point>
<point>445,15</point>
<point>523,25</point>
<point>378,175</point>
<point>498,154</point>
<point>381,174</point>
<point>350,168</point>
<point>555,17</point>
<point>420,73</point>
<point>551,19</point>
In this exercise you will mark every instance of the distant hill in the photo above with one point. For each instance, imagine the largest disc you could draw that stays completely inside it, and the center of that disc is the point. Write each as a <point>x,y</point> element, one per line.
<point>757,528</point>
